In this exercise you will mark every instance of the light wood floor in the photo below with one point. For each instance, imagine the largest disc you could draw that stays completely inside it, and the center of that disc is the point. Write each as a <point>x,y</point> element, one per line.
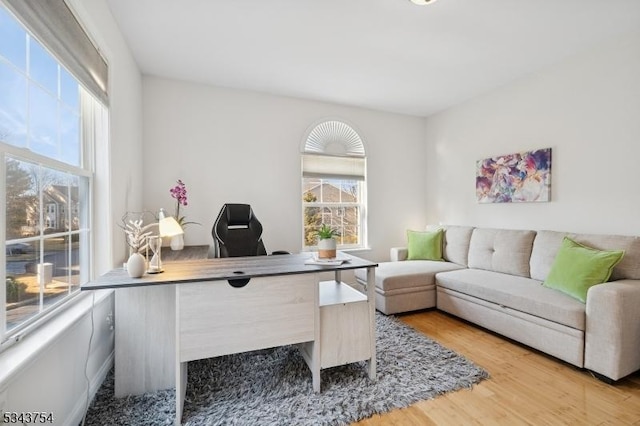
<point>526,387</point>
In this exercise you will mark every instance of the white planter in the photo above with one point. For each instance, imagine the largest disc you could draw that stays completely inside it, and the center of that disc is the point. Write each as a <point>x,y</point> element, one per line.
<point>177,242</point>
<point>45,273</point>
<point>136,265</point>
<point>327,248</point>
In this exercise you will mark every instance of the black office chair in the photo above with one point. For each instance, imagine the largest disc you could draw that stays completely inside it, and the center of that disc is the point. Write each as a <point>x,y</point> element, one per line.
<point>237,232</point>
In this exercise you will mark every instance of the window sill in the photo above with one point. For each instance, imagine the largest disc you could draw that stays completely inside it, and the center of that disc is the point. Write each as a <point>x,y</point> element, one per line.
<point>355,249</point>
<point>346,250</point>
<point>23,350</point>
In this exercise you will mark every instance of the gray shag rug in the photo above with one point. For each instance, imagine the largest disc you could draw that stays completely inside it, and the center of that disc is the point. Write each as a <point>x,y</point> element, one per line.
<point>273,386</point>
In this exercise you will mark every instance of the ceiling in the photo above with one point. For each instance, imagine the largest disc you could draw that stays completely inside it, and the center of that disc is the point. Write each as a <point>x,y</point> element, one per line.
<point>388,55</point>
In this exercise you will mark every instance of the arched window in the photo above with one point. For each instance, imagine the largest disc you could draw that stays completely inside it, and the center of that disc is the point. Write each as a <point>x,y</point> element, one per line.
<point>334,184</point>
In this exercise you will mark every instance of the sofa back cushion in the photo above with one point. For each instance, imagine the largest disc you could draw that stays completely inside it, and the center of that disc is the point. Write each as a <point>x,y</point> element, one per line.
<point>501,250</point>
<point>456,243</point>
<point>545,249</point>
<point>547,244</point>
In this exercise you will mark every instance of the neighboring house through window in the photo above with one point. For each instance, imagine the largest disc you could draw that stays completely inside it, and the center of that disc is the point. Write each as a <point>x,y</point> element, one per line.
<point>48,122</point>
<point>334,184</point>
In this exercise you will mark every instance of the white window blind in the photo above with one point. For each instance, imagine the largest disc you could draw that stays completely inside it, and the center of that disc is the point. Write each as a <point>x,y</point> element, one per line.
<point>333,149</point>
<point>55,26</point>
<point>323,166</point>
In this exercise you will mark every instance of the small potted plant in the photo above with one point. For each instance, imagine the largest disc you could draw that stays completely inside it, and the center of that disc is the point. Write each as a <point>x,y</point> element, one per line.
<point>137,239</point>
<point>326,242</point>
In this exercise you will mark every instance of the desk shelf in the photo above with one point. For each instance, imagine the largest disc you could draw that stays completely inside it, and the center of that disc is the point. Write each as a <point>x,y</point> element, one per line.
<point>334,292</point>
<point>345,328</point>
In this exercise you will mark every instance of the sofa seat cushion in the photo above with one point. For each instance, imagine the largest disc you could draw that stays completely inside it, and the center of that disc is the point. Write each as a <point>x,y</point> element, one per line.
<point>519,293</point>
<point>407,274</point>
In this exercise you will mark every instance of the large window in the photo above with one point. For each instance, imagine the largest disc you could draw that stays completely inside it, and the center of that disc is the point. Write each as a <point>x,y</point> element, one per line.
<point>333,184</point>
<point>47,122</point>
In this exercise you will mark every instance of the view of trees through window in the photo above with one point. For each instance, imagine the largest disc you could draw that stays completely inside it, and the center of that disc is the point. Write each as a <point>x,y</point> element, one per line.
<point>336,203</point>
<point>44,229</point>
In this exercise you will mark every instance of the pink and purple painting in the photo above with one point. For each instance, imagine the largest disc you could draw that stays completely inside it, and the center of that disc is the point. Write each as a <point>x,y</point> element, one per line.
<point>515,178</point>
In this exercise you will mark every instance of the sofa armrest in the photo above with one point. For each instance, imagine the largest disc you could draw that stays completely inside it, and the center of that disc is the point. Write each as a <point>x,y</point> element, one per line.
<point>397,254</point>
<point>612,333</point>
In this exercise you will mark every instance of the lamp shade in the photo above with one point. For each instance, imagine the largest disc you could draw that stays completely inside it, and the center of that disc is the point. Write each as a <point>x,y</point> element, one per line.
<point>169,227</point>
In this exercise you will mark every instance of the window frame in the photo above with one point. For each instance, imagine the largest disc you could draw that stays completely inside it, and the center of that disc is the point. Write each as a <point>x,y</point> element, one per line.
<point>15,333</point>
<point>92,126</point>
<point>333,151</point>
<point>360,206</point>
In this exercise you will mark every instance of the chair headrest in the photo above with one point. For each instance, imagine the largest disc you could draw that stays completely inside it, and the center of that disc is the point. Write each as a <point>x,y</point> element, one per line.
<point>238,214</point>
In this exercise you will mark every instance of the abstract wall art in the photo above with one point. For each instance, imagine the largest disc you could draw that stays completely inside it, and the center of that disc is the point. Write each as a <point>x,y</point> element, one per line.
<point>515,178</point>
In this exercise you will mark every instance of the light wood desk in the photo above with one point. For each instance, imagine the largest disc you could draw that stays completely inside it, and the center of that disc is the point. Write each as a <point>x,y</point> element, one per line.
<point>205,308</point>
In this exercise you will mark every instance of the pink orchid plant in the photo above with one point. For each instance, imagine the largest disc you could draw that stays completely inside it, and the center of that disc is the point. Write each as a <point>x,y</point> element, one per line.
<point>179,192</point>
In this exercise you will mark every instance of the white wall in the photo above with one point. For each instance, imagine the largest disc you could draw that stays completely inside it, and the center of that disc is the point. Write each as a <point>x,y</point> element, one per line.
<point>46,370</point>
<point>240,146</point>
<point>587,109</point>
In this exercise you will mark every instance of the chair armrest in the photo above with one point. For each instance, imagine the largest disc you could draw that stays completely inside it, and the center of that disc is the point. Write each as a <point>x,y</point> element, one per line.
<point>397,254</point>
<point>612,332</point>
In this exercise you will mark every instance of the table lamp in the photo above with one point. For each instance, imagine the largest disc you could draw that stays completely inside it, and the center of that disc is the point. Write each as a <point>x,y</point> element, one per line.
<point>168,227</point>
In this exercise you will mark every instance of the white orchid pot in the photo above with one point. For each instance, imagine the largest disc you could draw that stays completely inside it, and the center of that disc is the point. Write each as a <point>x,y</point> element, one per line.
<point>327,248</point>
<point>177,242</point>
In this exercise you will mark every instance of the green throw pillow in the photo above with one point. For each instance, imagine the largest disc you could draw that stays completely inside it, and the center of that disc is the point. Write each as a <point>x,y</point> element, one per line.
<point>577,267</point>
<point>424,245</point>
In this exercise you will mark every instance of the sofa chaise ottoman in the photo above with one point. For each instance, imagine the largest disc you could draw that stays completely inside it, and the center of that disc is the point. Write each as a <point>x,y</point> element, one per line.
<point>494,278</point>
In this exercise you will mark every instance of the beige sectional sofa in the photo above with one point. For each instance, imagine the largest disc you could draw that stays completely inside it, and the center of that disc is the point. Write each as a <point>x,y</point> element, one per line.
<point>493,278</point>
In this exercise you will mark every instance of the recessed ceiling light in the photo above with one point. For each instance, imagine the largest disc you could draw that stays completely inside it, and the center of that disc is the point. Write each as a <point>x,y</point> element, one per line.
<point>422,2</point>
